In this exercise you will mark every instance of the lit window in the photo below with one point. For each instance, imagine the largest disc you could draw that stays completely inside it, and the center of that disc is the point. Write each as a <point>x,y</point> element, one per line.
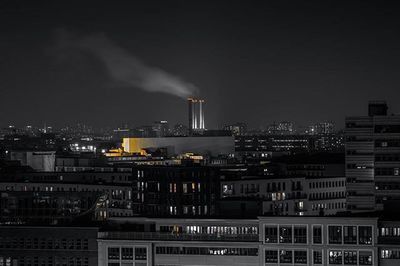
<point>335,257</point>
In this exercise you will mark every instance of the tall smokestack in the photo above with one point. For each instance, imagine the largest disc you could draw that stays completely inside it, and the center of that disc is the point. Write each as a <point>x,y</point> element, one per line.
<point>201,113</point>
<point>190,109</point>
<point>196,115</point>
<point>195,120</point>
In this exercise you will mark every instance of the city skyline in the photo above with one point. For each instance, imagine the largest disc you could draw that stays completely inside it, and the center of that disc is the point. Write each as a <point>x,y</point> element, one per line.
<point>199,133</point>
<point>134,124</point>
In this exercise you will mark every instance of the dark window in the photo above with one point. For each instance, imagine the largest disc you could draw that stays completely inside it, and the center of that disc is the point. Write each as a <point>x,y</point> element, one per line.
<point>350,234</point>
<point>317,257</point>
<point>317,234</point>
<point>335,234</point>
<point>127,253</point>
<point>271,256</point>
<point>285,234</point>
<point>365,257</point>
<point>286,256</point>
<point>113,253</point>
<point>140,253</point>
<point>300,256</point>
<point>300,234</point>
<point>365,235</point>
<point>271,234</point>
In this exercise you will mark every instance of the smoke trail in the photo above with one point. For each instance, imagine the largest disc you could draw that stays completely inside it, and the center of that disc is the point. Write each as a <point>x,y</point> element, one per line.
<point>126,69</point>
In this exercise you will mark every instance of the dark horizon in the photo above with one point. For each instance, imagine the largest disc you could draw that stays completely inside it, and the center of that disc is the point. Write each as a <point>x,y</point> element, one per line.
<point>252,62</point>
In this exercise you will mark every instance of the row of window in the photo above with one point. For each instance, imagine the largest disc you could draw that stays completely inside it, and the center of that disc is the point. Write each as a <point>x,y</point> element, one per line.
<point>286,256</point>
<point>387,185</point>
<point>390,254</point>
<point>335,257</point>
<point>390,231</point>
<point>328,206</point>
<point>44,261</point>
<point>127,253</point>
<point>337,234</point>
<point>279,186</point>
<point>327,184</point>
<point>211,230</point>
<point>349,257</point>
<point>387,129</point>
<point>63,189</point>
<point>287,234</point>
<point>186,187</point>
<point>43,243</point>
<point>387,157</point>
<point>358,166</point>
<point>172,173</point>
<point>327,195</point>
<point>387,143</point>
<point>127,264</point>
<point>218,251</point>
<point>387,171</point>
<point>192,210</point>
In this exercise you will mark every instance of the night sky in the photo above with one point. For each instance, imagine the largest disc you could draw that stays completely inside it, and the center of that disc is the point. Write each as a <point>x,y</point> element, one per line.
<point>253,61</point>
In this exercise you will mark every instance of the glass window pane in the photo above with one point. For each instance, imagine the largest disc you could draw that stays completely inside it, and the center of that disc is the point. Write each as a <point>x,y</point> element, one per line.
<point>300,256</point>
<point>113,253</point>
<point>127,253</point>
<point>350,234</point>
<point>317,257</point>
<point>365,257</point>
<point>285,234</point>
<point>286,256</point>
<point>365,235</point>
<point>141,253</point>
<point>271,234</point>
<point>271,256</point>
<point>300,234</point>
<point>335,257</point>
<point>317,234</point>
<point>350,257</point>
<point>335,234</point>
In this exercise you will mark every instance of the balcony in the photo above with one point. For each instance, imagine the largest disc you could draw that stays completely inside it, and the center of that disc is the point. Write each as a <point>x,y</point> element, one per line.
<point>177,236</point>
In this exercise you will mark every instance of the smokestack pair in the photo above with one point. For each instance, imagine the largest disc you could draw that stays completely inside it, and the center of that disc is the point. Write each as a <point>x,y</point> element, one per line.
<point>196,115</point>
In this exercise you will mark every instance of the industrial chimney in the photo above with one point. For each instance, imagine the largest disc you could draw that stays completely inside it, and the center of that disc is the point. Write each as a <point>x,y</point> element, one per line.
<point>196,115</point>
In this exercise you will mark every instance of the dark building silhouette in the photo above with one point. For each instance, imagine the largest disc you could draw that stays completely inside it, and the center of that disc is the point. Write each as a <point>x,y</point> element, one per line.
<point>176,191</point>
<point>48,246</point>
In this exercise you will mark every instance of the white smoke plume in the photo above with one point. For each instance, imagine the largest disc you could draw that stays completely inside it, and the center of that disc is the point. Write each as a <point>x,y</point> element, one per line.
<point>127,70</point>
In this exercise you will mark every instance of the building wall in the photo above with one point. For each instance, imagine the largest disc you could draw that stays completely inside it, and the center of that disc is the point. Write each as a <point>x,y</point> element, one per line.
<point>372,162</point>
<point>180,145</point>
<point>291,195</point>
<point>279,241</point>
<point>389,243</point>
<point>63,195</point>
<point>175,191</point>
<point>26,246</point>
<point>39,160</point>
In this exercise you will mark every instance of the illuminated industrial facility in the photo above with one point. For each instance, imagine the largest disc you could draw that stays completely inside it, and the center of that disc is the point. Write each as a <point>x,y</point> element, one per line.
<point>196,115</point>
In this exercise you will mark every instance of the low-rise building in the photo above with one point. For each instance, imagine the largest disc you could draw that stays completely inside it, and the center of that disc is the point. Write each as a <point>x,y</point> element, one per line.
<point>264,241</point>
<point>290,195</point>
<point>48,246</point>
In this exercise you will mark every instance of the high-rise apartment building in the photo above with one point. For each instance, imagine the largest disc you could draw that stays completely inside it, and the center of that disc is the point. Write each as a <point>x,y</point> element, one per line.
<point>373,160</point>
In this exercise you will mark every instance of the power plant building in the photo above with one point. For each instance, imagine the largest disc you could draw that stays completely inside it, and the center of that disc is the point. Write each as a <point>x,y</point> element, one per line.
<point>212,145</point>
